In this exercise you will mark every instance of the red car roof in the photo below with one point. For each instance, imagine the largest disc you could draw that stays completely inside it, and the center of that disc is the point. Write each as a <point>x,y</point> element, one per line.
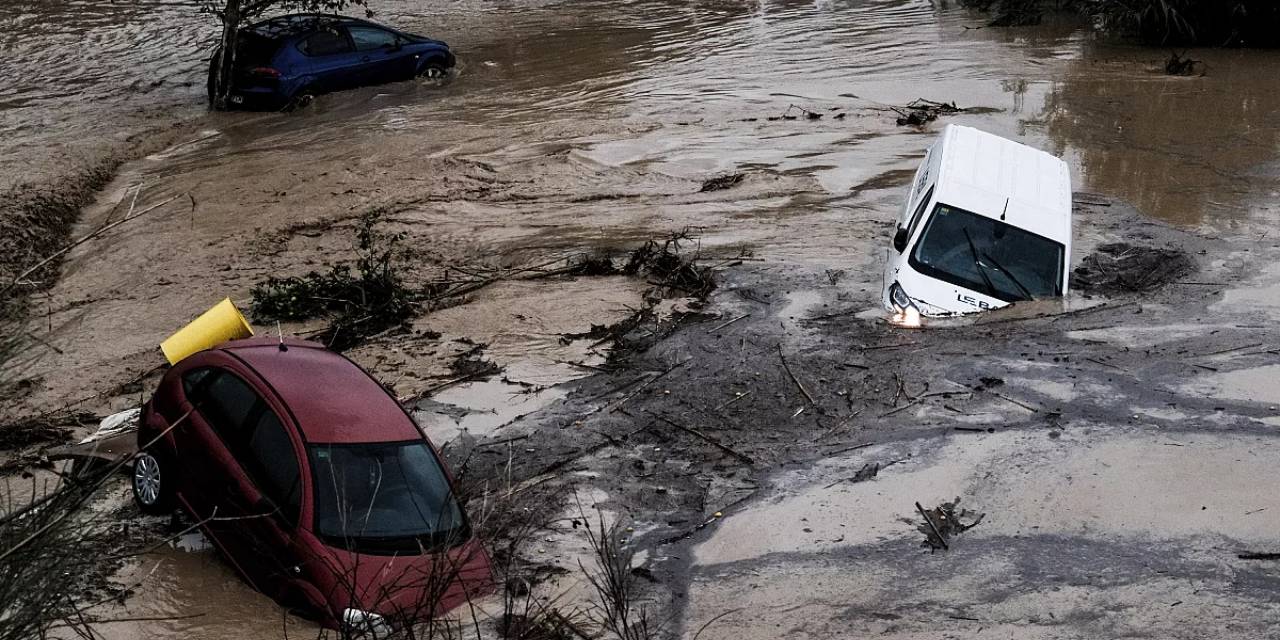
<point>333,399</point>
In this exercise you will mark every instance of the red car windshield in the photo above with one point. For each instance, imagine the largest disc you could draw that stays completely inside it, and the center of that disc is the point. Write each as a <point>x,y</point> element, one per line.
<point>384,498</point>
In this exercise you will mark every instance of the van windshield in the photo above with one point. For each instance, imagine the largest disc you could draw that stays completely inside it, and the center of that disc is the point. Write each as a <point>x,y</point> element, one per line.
<point>384,498</point>
<point>988,256</point>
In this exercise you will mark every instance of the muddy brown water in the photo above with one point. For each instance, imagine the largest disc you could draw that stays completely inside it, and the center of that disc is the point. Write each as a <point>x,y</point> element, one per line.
<point>600,120</point>
<point>670,84</point>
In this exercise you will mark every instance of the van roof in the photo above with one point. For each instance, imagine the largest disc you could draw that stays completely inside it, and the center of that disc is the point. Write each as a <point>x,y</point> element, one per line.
<point>993,176</point>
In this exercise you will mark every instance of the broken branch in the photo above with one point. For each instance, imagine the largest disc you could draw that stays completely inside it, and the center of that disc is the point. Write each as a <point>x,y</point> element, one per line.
<point>793,376</point>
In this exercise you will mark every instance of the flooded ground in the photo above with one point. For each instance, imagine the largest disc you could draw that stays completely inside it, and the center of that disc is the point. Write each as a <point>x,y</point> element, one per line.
<point>580,126</point>
<point>1065,548</point>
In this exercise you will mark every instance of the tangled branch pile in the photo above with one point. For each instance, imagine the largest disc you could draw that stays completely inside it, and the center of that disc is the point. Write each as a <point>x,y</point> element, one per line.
<point>665,265</point>
<point>363,302</point>
<point>920,112</point>
<point>372,297</point>
<point>1121,267</point>
<point>945,521</point>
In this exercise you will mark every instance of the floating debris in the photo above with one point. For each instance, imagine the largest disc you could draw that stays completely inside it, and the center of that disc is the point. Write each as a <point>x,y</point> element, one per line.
<point>665,265</point>
<point>867,472</point>
<point>944,522</point>
<point>721,183</point>
<point>795,112</point>
<point>989,382</point>
<point>1123,267</point>
<point>920,112</point>
<point>1177,65</point>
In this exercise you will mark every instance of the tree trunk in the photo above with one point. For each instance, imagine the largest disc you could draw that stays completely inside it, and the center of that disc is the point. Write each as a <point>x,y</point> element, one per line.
<point>226,54</point>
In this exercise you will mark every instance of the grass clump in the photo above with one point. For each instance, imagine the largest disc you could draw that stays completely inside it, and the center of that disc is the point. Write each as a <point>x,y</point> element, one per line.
<point>361,300</point>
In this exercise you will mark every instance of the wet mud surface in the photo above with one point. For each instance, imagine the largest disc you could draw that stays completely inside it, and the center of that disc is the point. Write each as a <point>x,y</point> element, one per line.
<point>1083,450</point>
<point>1113,440</point>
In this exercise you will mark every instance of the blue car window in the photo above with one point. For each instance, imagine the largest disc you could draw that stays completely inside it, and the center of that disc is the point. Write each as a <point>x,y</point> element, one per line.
<point>370,38</point>
<point>324,43</point>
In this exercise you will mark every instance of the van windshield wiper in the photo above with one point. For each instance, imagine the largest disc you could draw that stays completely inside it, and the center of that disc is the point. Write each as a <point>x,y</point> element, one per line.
<point>977,262</point>
<point>1009,274</point>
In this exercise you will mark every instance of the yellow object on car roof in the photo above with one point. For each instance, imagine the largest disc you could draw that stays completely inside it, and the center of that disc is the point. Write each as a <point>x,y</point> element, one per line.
<point>219,324</point>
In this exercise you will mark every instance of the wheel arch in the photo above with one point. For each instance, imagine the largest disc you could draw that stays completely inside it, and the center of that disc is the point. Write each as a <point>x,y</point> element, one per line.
<point>443,57</point>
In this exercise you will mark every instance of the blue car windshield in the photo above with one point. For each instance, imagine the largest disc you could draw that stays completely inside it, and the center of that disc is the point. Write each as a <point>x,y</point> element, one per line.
<point>988,256</point>
<point>384,498</point>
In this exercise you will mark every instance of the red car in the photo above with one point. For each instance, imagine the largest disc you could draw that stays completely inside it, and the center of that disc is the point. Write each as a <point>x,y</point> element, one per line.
<point>312,480</point>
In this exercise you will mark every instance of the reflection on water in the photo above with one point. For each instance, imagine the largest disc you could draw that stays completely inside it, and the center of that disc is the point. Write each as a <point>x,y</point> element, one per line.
<point>1182,149</point>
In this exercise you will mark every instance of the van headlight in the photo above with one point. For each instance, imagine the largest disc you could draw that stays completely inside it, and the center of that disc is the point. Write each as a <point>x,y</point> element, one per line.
<point>905,312</point>
<point>901,301</point>
<point>365,624</point>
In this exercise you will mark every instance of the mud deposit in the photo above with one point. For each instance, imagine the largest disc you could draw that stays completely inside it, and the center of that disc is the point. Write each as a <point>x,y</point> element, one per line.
<point>1114,440</point>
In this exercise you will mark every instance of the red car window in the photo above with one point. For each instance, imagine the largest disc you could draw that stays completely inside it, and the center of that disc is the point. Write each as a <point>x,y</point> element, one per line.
<point>271,460</point>
<point>226,404</point>
<point>252,433</point>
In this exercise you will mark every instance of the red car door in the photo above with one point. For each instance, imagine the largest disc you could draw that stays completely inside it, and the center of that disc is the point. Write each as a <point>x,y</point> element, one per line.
<point>226,472</point>
<point>270,472</point>
<point>205,489</point>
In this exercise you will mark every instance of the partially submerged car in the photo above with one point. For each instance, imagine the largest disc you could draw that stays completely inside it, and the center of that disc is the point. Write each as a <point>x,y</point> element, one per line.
<point>312,480</point>
<point>986,222</point>
<point>288,60</point>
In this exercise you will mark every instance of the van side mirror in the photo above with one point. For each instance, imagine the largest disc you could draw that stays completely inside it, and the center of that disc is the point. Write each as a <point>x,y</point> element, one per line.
<point>900,239</point>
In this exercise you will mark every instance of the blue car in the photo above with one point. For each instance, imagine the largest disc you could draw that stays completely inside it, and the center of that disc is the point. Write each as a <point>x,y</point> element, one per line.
<point>286,61</point>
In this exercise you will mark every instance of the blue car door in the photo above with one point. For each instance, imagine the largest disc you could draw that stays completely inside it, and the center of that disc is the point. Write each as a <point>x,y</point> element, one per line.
<point>382,53</point>
<point>331,59</point>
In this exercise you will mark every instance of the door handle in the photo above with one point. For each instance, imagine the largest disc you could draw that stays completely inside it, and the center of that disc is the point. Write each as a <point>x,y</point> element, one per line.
<point>364,59</point>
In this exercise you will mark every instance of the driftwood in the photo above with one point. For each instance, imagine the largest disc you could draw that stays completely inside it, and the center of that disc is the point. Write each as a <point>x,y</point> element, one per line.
<point>932,527</point>
<point>944,522</point>
<point>794,378</point>
<point>708,439</point>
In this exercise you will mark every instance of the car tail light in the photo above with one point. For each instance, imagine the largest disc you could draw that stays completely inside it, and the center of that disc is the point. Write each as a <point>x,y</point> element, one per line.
<point>266,72</point>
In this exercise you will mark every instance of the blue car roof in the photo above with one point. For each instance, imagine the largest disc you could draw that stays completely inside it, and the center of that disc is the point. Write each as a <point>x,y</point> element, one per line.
<point>297,23</point>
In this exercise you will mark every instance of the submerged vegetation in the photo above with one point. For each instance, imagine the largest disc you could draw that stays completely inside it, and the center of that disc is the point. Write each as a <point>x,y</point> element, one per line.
<point>1227,23</point>
<point>371,296</point>
<point>360,303</point>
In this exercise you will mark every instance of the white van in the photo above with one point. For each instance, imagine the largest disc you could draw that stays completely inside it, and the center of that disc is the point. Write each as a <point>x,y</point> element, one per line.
<point>987,222</point>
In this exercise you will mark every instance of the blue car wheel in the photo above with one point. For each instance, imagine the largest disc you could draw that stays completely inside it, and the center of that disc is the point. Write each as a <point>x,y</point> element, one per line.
<point>433,70</point>
<point>301,98</point>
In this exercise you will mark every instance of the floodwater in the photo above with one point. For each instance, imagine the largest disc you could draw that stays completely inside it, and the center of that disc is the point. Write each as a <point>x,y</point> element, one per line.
<point>573,125</point>
<point>668,86</point>
<point>80,77</point>
<point>821,557</point>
